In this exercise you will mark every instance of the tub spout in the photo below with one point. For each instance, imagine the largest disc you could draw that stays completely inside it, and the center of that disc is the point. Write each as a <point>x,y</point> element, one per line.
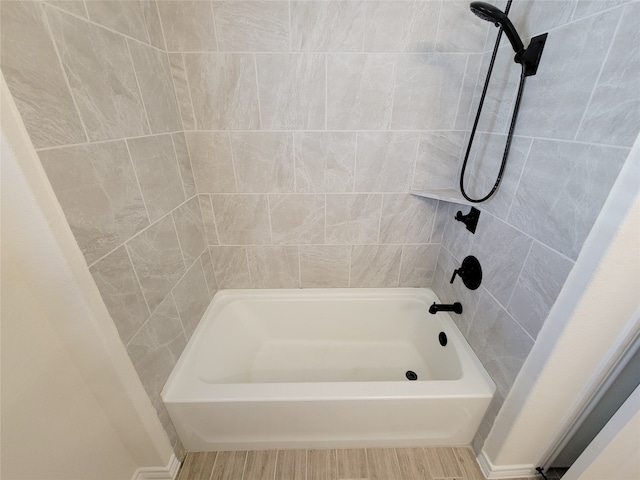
<point>438,307</point>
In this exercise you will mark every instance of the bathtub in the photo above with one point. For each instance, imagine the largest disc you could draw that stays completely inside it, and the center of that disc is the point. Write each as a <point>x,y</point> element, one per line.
<point>326,368</point>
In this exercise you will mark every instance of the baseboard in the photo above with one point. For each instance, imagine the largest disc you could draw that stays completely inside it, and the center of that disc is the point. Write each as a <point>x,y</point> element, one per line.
<point>158,473</point>
<point>491,471</point>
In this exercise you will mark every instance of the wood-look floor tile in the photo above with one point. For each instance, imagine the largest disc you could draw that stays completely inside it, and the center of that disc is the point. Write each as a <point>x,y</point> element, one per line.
<point>383,464</point>
<point>352,464</point>
<point>229,466</point>
<point>291,465</point>
<point>322,465</point>
<point>198,466</point>
<point>261,465</point>
<point>468,463</point>
<point>413,464</point>
<point>442,462</point>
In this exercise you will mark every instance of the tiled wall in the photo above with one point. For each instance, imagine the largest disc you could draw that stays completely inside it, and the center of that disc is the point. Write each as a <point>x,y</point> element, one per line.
<point>308,122</point>
<point>579,117</point>
<point>93,84</point>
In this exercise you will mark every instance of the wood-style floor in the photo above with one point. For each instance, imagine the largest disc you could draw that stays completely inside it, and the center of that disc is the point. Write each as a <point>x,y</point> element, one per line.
<point>450,463</point>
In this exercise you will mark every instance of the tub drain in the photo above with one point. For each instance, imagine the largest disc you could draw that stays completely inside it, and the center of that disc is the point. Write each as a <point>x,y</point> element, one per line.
<point>411,375</point>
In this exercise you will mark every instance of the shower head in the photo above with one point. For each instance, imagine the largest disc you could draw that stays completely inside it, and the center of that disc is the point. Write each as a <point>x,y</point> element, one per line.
<point>496,16</point>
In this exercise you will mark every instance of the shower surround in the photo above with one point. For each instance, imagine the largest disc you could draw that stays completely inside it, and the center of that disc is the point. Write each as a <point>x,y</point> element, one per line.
<point>198,145</point>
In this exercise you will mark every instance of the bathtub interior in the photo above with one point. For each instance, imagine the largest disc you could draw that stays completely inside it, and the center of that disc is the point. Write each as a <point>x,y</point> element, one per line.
<point>267,340</point>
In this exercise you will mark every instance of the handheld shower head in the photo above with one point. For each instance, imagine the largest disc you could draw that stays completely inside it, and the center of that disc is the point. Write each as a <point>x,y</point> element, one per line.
<point>496,16</point>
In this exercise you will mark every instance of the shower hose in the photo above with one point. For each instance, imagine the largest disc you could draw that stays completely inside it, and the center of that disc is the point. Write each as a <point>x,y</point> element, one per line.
<point>475,123</point>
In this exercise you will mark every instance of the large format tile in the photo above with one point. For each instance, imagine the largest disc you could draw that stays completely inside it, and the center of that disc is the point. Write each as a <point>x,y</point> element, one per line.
<point>117,283</point>
<point>426,88</point>
<point>154,77</point>
<point>211,160</point>
<point>459,30</point>
<point>157,170</point>
<point>157,259</point>
<point>208,219</point>
<point>274,267</point>
<point>406,218</point>
<point>324,161</point>
<point>100,72</point>
<point>242,219</point>
<point>35,78</point>
<point>562,190</point>
<point>613,114</point>
<point>538,286</point>
<point>360,91</point>
<point>123,16</point>
<point>297,218</point>
<point>230,266</point>
<point>188,220</point>
<point>401,26</point>
<point>184,163</point>
<point>501,251</point>
<point>437,161</point>
<point>181,86</point>
<point>192,297</point>
<point>556,98</point>
<point>291,89</point>
<point>324,266</point>
<point>96,187</point>
<point>188,25</point>
<point>418,265</point>
<point>223,90</point>
<point>319,26</point>
<point>375,266</point>
<point>263,161</point>
<point>385,161</point>
<point>252,26</point>
<point>353,218</point>
<point>72,6</point>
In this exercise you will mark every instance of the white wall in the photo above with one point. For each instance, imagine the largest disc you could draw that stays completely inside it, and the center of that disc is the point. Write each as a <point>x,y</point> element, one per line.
<point>72,405</point>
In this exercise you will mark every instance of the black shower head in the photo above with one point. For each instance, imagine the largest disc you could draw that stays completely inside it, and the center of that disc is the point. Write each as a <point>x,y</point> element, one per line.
<point>494,15</point>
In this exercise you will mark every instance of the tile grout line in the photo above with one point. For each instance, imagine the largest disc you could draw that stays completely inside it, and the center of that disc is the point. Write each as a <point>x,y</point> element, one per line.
<point>175,152</point>
<point>135,75</point>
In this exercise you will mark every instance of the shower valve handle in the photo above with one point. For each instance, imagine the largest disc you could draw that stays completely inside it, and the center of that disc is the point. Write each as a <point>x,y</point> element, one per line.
<point>457,271</point>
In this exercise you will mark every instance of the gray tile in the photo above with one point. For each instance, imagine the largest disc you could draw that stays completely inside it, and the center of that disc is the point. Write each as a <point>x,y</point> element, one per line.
<point>437,161</point>
<point>263,161</point>
<point>184,163</point>
<point>190,228</point>
<point>157,259</point>
<point>324,266</point>
<point>318,26</point>
<point>353,218</point>
<point>181,86</point>
<point>500,343</point>
<point>562,190</point>
<point>418,265</point>
<point>252,26</point>
<point>230,266</point>
<point>360,91</point>
<point>613,114</point>
<point>533,18</point>
<point>223,90</point>
<point>538,286</point>
<point>426,87</point>
<point>385,161</point>
<point>444,213</point>
<point>242,219</point>
<point>212,163</point>
<point>401,26</point>
<point>501,251</point>
<point>72,6</point>
<point>297,218</point>
<point>156,166</point>
<point>406,218</point>
<point>589,7</point>
<point>188,25</point>
<point>274,267</point>
<point>154,370</point>
<point>292,89</point>
<point>555,102</point>
<point>123,16</point>
<point>324,161</point>
<point>208,220</point>
<point>100,72</point>
<point>458,31</point>
<point>35,77</point>
<point>472,80</point>
<point>96,187</point>
<point>209,273</point>
<point>153,23</point>
<point>192,297</point>
<point>116,281</point>
<point>154,77</point>
<point>375,265</point>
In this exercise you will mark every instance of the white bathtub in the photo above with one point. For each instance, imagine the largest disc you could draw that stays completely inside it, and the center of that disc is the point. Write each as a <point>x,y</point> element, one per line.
<point>325,368</point>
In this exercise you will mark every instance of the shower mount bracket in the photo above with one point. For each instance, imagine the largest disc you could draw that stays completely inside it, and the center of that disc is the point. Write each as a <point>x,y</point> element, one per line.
<point>530,57</point>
